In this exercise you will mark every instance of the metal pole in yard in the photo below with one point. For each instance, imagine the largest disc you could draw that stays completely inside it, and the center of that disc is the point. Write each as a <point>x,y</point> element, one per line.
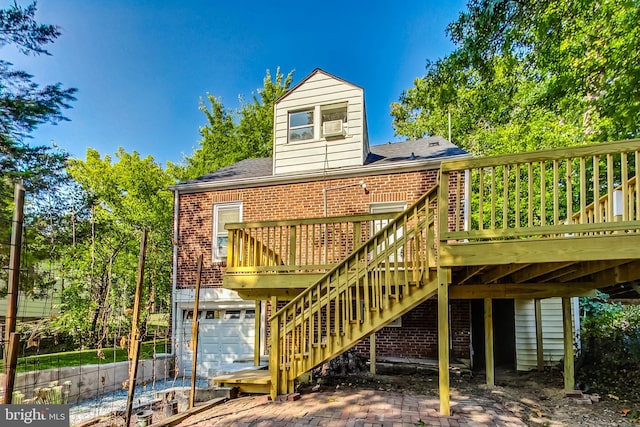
<point>194,335</point>
<point>134,347</point>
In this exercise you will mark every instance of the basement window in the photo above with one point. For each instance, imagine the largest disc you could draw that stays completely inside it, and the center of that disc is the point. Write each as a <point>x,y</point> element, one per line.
<point>395,323</point>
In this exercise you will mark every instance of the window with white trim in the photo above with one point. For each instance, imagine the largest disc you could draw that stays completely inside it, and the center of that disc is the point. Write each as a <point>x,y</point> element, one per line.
<point>379,224</point>
<point>301,125</point>
<point>335,116</point>
<point>309,123</point>
<point>223,213</point>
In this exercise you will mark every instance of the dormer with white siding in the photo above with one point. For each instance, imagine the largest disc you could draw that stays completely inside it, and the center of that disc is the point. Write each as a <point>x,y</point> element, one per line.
<point>320,124</point>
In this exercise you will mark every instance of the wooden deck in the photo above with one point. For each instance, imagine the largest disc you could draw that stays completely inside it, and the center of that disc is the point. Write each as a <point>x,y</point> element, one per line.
<point>555,223</point>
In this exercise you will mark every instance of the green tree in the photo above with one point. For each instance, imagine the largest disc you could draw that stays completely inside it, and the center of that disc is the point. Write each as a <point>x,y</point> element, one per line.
<point>229,137</point>
<point>24,105</point>
<point>531,74</point>
<point>122,198</point>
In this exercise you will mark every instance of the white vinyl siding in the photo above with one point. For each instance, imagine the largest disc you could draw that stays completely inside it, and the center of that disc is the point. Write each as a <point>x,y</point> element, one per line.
<point>223,213</point>
<point>552,334</point>
<point>320,92</point>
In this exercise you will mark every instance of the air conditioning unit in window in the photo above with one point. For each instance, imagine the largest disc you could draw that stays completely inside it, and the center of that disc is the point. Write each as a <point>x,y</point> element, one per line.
<point>333,128</point>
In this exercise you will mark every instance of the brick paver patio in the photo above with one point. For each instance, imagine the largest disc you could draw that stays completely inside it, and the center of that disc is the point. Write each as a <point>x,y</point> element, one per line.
<point>354,408</point>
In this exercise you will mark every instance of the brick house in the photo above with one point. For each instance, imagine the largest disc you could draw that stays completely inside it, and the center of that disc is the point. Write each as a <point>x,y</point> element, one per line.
<point>324,174</point>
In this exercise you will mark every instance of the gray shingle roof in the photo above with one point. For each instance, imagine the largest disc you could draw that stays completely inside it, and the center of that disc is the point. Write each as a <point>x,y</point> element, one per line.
<point>434,147</point>
<point>431,148</point>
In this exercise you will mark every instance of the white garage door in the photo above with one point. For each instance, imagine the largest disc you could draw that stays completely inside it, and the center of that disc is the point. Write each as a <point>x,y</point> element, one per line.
<point>226,335</point>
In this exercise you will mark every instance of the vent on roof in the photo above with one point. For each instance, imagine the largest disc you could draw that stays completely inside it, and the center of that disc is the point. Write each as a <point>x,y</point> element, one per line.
<point>433,144</point>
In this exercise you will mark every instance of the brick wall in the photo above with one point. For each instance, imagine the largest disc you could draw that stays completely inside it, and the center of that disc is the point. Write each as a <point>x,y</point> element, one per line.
<point>287,201</point>
<point>418,336</point>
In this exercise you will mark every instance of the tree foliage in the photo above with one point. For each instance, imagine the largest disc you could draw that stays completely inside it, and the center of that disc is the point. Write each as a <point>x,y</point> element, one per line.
<point>611,351</point>
<point>120,199</point>
<point>228,136</point>
<point>24,105</point>
<point>531,74</point>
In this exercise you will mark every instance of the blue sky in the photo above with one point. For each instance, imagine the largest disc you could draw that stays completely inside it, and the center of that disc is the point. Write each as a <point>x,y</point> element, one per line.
<point>141,67</point>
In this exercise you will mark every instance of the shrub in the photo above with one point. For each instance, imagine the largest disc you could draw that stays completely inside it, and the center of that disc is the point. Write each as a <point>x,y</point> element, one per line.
<point>611,350</point>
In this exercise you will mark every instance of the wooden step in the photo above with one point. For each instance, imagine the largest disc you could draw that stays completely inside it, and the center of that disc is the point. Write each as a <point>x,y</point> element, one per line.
<point>247,381</point>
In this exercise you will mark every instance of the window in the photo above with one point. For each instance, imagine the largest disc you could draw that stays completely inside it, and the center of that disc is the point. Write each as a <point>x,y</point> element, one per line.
<point>395,323</point>
<point>188,314</point>
<point>223,214</point>
<point>231,314</point>
<point>334,112</point>
<point>301,125</point>
<point>250,314</point>
<point>307,124</point>
<point>335,117</point>
<point>212,314</point>
<point>391,207</point>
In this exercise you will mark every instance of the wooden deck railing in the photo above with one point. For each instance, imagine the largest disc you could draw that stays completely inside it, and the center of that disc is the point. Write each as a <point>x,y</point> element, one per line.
<point>602,210</point>
<point>383,278</point>
<point>551,193</point>
<point>302,245</point>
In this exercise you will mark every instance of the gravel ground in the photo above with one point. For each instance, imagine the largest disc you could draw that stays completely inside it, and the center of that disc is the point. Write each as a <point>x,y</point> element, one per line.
<point>117,401</point>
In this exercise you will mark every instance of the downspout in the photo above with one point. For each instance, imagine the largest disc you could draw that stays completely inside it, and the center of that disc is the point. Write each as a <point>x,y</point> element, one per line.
<point>174,305</point>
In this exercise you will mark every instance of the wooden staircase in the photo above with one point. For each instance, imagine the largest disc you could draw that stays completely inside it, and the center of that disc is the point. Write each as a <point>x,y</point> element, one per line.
<point>553,223</point>
<point>387,276</point>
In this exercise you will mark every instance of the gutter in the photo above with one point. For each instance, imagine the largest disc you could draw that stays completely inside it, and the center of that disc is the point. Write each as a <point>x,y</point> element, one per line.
<point>174,284</point>
<point>408,166</point>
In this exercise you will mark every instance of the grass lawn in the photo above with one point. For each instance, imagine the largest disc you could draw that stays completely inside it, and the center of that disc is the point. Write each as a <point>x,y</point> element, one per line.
<point>86,357</point>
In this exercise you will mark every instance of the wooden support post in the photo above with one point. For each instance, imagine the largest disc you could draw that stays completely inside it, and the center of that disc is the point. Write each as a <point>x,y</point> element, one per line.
<point>14,267</point>
<point>539,342</point>
<point>195,328</point>
<point>372,353</point>
<point>256,340</point>
<point>443,339</point>
<point>567,328</point>
<point>135,319</point>
<point>488,342</point>
<point>134,346</point>
<point>133,373</point>
<point>10,367</point>
<point>274,351</point>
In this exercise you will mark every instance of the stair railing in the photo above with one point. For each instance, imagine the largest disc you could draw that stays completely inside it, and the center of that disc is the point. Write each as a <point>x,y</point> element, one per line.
<point>356,297</point>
